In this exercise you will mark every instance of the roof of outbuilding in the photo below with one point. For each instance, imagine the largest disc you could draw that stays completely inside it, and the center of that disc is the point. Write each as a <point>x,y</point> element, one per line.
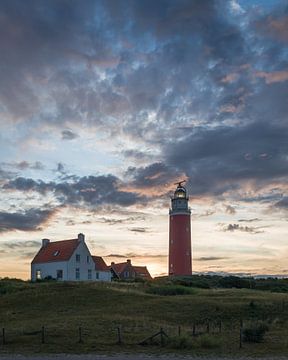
<point>142,271</point>
<point>100,264</point>
<point>119,268</point>
<point>56,251</point>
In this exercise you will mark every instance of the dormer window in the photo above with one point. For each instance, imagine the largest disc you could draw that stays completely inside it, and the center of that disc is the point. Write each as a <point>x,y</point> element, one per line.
<point>57,252</point>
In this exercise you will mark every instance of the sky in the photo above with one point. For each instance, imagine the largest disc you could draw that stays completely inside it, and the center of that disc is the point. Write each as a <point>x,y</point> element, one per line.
<point>104,105</point>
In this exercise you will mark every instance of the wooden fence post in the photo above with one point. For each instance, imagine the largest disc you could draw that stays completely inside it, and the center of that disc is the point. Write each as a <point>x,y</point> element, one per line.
<point>194,329</point>
<point>240,335</point>
<point>119,335</point>
<point>179,330</point>
<point>208,327</point>
<point>161,336</point>
<point>80,335</point>
<point>220,326</point>
<point>3,336</point>
<point>43,335</point>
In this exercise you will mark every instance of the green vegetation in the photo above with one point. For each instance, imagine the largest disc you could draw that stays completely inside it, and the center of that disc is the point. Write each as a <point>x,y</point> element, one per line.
<point>197,320</point>
<point>170,290</point>
<point>254,332</point>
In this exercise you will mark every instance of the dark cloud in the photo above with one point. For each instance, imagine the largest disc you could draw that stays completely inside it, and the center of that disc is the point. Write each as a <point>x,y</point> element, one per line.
<point>230,210</point>
<point>12,245</point>
<point>211,258</point>
<point>216,160</point>
<point>190,79</point>
<point>138,229</point>
<point>237,227</point>
<point>205,214</point>
<point>61,168</point>
<point>88,190</point>
<point>282,204</point>
<point>249,220</point>
<point>24,165</point>
<point>135,255</point>
<point>69,135</point>
<point>28,220</point>
<point>156,174</point>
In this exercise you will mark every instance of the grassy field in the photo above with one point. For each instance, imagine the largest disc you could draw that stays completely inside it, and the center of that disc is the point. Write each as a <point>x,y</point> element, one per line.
<point>140,310</point>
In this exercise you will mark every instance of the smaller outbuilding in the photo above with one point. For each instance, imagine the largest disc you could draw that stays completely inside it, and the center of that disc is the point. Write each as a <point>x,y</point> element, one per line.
<point>68,260</point>
<point>127,271</point>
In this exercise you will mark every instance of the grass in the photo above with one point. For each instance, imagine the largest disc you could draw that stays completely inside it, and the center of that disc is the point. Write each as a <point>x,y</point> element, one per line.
<point>140,312</point>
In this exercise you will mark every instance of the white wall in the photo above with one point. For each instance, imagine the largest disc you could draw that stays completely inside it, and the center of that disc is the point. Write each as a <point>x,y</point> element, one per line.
<point>103,275</point>
<point>83,264</point>
<point>50,269</point>
<point>69,267</point>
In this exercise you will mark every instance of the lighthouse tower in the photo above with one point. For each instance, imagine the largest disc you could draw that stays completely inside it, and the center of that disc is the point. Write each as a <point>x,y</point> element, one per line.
<point>180,261</point>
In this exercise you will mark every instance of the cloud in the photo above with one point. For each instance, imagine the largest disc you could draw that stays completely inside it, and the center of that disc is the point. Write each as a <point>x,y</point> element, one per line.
<point>69,135</point>
<point>135,255</point>
<point>28,220</point>
<point>24,165</point>
<point>230,210</point>
<point>205,214</point>
<point>237,227</point>
<point>22,244</point>
<point>138,229</point>
<point>215,161</point>
<point>282,204</point>
<point>211,258</point>
<point>249,220</point>
<point>271,77</point>
<point>87,190</point>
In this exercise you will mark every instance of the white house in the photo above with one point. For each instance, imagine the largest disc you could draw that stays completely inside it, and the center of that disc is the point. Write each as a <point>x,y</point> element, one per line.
<point>68,260</point>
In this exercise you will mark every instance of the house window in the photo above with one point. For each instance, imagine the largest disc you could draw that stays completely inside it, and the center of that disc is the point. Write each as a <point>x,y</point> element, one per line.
<point>56,253</point>
<point>97,275</point>
<point>59,274</point>
<point>77,257</point>
<point>89,274</point>
<point>38,274</point>
<point>126,274</point>
<point>77,274</point>
<point>88,259</point>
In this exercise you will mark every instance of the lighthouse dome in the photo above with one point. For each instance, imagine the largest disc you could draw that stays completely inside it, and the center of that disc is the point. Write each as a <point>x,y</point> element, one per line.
<point>180,192</point>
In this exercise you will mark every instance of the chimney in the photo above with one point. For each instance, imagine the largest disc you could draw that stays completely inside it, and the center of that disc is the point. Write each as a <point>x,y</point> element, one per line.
<point>81,237</point>
<point>129,261</point>
<point>45,242</point>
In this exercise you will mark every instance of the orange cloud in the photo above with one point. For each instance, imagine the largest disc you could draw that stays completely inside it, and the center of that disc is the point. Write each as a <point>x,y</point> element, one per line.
<point>272,77</point>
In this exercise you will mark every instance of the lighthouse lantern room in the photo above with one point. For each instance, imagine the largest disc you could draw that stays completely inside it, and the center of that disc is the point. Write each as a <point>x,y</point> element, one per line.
<point>180,259</point>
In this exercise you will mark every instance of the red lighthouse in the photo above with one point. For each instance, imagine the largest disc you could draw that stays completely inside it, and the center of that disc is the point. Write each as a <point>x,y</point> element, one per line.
<point>180,261</point>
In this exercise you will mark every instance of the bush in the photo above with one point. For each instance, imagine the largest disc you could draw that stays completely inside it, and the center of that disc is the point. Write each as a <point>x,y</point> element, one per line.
<point>180,342</point>
<point>170,290</point>
<point>185,342</point>
<point>207,342</point>
<point>254,332</point>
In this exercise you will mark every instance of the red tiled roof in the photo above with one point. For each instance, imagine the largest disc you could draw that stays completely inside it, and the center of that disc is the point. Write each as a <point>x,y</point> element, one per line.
<point>56,251</point>
<point>100,263</point>
<point>119,268</point>
<point>142,271</point>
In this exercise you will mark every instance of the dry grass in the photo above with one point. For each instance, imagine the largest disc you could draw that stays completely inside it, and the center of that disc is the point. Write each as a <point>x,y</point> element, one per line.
<point>100,308</point>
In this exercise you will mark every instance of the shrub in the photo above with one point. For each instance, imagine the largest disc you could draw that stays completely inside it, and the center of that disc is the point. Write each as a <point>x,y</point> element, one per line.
<point>254,332</point>
<point>180,342</point>
<point>185,342</point>
<point>170,290</point>
<point>208,342</point>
